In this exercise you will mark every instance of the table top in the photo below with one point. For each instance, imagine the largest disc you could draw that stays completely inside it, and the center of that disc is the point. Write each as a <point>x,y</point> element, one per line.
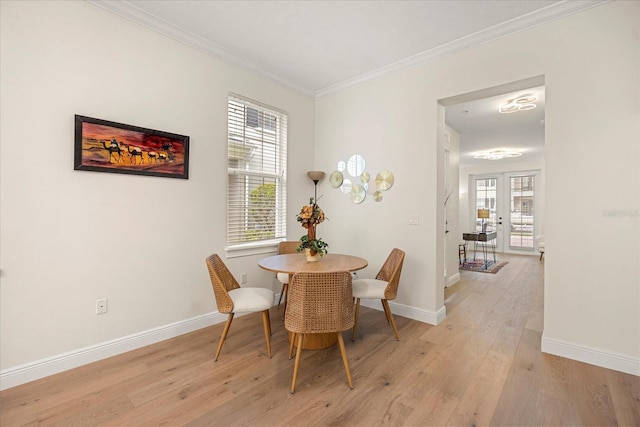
<point>296,263</point>
<point>480,237</point>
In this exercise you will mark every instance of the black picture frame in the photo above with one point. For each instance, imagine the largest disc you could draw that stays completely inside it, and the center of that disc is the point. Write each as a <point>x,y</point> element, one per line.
<point>105,146</point>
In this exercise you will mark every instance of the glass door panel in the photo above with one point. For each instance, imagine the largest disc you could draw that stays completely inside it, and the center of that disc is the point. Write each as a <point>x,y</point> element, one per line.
<point>486,192</point>
<point>521,218</point>
<point>487,195</point>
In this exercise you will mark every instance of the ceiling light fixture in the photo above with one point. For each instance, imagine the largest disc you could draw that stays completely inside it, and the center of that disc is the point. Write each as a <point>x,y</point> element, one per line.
<point>497,154</point>
<point>522,103</point>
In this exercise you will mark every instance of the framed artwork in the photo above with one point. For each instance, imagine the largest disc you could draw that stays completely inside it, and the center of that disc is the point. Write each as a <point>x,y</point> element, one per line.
<point>104,146</point>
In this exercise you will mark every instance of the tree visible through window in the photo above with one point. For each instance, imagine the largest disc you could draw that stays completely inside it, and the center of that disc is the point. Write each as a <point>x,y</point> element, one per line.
<point>257,153</point>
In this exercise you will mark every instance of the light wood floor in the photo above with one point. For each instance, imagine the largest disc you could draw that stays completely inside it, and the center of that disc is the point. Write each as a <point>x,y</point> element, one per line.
<point>481,366</point>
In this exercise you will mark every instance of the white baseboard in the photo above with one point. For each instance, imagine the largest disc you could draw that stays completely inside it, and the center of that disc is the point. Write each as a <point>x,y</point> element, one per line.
<point>591,356</point>
<point>424,316</point>
<point>22,374</point>
<point>453,279</point>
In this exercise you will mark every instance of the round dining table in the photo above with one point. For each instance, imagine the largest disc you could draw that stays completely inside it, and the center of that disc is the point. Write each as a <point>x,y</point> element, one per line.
<point>296,263</point>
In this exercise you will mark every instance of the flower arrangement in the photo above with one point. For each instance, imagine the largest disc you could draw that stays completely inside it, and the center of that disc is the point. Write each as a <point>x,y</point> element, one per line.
<point>310,216</point>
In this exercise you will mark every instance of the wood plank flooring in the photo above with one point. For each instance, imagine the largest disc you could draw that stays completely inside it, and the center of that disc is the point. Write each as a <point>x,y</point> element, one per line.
<point>481,366</point>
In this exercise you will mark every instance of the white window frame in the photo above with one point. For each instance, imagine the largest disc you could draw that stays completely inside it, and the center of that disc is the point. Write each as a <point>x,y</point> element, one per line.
<point>256,155</point>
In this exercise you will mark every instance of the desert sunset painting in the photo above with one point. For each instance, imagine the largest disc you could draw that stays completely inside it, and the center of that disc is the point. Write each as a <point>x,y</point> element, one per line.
<point>114,147</point>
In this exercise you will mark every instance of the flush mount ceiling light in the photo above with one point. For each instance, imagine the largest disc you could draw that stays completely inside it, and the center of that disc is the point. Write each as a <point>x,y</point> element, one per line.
<point>522,103</point>
<point>496,154</point>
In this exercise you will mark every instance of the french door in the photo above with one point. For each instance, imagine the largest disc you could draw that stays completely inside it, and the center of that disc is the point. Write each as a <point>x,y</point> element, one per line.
<point>510,199</point>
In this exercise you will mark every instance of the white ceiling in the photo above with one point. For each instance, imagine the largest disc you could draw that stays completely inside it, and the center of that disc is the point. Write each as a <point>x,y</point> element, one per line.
<point>483,128</point>
<point>317,47</point>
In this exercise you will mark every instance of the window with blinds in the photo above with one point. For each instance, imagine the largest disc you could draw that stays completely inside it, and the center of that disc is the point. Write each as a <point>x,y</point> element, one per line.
<point>257,164</point>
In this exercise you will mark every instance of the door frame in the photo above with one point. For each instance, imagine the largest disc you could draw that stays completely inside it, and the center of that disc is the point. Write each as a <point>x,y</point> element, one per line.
<point>502,210</point>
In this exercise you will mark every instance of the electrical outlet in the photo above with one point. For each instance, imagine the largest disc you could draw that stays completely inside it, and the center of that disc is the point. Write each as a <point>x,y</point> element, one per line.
<point>101,306</point>
<point>243,278</point>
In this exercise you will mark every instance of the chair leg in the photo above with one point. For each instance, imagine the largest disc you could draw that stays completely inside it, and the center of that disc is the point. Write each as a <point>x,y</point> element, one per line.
<point>355,317</point>
<point>344,359</point>
<point>387,310</point>
<point>269,323</point>
<point>285,289</point>
<point>267,331</point>
<point>225,331</point>
<point>292,341</point>
<point>462,250</point>
<point>297,363</point>
<point>283,292</point>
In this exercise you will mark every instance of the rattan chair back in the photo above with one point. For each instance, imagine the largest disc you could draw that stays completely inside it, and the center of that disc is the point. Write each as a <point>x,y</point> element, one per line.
<point>222,281</point>
<point>390,273</point>
<point>288,247</point>
<point>320,303</point>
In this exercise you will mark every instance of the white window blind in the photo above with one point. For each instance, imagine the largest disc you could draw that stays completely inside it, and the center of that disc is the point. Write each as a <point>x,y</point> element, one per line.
<point>257,164</point>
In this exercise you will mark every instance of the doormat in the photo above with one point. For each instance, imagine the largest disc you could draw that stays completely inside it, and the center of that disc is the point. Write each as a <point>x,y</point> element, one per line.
<point>480,267</point>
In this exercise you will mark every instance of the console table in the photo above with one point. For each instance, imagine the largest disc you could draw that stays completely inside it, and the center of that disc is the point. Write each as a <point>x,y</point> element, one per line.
<point>486,240</point>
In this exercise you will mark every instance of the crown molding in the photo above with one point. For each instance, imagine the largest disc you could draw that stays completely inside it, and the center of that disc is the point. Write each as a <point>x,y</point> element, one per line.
<point>540,16</point>
<point>133,13</point>
<point>555,11</point>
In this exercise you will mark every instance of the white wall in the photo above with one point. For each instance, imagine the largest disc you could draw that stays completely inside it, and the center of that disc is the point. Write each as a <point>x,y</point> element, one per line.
<point>71,237</point>
<point>393,125</point>
<point>590,62</point>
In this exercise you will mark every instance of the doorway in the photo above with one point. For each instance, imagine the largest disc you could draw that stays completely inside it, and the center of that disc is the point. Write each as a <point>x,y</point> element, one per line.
<point>473,128</point>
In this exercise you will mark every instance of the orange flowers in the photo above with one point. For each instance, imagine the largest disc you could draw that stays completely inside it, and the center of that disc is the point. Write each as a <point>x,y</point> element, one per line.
<point>311,214</point>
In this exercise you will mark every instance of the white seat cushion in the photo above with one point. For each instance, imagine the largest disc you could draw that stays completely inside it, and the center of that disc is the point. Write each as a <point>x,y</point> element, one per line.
<point>283,278</point>
<point>251,299</point>
<point>369,288</point>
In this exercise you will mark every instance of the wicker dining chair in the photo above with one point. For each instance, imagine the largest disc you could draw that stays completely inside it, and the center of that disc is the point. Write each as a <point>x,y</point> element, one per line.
<point>286,247</point>
<point>384,287</point>
<point>232,299</point>
<point>319,303</point>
